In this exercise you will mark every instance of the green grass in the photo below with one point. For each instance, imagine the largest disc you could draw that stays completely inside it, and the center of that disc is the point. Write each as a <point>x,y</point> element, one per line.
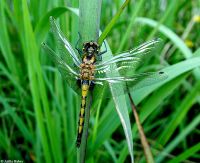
<point>39,111</point>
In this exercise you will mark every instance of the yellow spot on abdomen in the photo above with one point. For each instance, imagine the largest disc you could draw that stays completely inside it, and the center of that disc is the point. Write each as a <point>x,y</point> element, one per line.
<point>80,128</point>
<point>82,111</point>
<point>83,102</point>
<point>81,120</point>
<point>85,88</point>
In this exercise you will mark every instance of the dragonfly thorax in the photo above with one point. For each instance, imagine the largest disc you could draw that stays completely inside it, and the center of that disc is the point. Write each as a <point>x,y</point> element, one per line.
<point>87,68</point>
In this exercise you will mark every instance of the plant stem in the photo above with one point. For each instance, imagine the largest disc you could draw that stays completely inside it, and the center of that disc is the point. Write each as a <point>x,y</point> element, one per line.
<point>147,150</point>
<point>89,22</point>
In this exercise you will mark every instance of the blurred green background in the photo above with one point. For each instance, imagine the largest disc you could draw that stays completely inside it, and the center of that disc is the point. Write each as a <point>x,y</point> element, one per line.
<point>39,112</point>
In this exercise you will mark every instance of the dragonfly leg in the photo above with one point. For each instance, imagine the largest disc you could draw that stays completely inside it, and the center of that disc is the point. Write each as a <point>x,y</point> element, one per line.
<point>76,47</point>
<point>104,50</point>
<point>78,81</point>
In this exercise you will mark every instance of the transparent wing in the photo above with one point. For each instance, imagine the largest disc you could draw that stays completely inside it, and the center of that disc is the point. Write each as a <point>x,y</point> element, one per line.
<point>64,46</point>
<point>128,61</point>
<point>134,82</point>
<point>147,78</point>
<point>70,74</point>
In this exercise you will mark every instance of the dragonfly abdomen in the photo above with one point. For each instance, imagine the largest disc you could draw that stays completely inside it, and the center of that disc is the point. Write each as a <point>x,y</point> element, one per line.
<point>84,88</point>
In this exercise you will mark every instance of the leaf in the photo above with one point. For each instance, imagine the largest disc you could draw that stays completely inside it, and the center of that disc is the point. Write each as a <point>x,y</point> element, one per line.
<point>109,122</point>
<point>186,131</point>
<point>174,80</point>
<point>151,104</point>
<point>18,121</point>
<point>43,26</point>
<point>5,45</point>
<point>112,22</point>
<point>122,110</point>
<point>186,154</point>
<point>179,114</point>
<point>173,72</point>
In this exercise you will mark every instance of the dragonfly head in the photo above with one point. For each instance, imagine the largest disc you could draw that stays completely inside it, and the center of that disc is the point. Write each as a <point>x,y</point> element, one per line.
<point>91,48</point>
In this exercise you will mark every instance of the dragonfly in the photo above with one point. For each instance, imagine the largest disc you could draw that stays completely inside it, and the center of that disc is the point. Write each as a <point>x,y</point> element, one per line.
<point>83,70</point>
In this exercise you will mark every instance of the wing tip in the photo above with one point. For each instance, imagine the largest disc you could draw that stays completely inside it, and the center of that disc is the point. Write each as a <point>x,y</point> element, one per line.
<point>157,39</point>
<point>43,44</point>
<point>163,74</point>
<point>51,18</point>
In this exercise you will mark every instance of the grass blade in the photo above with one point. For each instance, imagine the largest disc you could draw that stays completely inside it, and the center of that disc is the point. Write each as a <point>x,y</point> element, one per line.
<point>173,37</point>
<point>180,114</point>
<point>42,26</point>
<point>189,152</point>
<point>112,22</point>
<point>5,43</point>
<point>89,30</point>
<point>179,138</point>
<point>122,109</point>
<point>152,103</point>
